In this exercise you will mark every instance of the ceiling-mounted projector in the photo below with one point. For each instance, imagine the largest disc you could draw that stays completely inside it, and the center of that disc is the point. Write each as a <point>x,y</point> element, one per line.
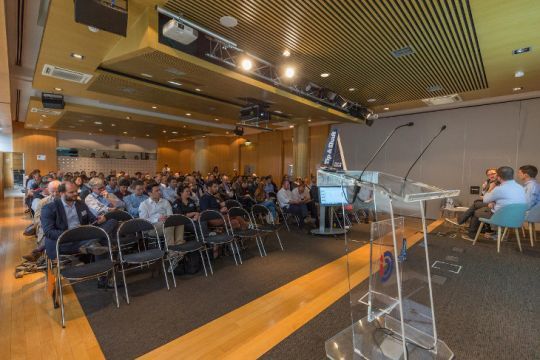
<point>179,32</point>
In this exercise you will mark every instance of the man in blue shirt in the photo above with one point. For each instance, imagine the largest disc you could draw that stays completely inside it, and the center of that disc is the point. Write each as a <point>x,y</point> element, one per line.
<point>508,192</point>
<point>527,176</point>
<point>111,184</point>
<point>134,200</point>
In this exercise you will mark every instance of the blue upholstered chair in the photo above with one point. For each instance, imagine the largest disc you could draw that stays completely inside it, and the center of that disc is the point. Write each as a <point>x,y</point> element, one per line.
<point>508,217</point>
<point>532,217</point>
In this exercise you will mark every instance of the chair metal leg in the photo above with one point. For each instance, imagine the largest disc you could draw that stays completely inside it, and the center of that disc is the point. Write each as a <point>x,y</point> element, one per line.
<point>61,296</point>
<point>238,252</point>
<point>279,240</point>
<point>115,287</point>
<point>518,240</point>
<point>531,236</point>
<point>172,273</point>
<point>478,232</point>
<point>498,239</point>
<point>203,264</point>
<point>262,245</point>
<point>165,273</point>
<point>209,262</point>
<point>125,282</point>
<point>258,245</point>
<point>233,253</point>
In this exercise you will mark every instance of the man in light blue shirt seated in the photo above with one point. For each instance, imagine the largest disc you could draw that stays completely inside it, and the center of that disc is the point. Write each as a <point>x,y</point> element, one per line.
<point>508,192</point>
<point>527,176</point>
<point>169,192</point>
<point>134,200</point>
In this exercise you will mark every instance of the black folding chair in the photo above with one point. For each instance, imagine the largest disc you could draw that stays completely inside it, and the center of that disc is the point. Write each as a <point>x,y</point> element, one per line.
<point>265,222</point>
<point>285,214</point>
<point>187,247</point>
<point>83,272</point>
<point>218,239</point>
<point>118,215</point>
<point>232,203</point>
<point>150,253</point>
<point>250,233</point>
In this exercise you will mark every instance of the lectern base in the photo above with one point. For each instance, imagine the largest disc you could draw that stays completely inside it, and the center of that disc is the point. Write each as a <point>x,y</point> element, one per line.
<point>372,342</point>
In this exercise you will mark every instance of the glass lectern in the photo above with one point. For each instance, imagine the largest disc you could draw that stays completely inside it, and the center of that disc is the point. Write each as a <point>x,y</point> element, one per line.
<point>395,319</point>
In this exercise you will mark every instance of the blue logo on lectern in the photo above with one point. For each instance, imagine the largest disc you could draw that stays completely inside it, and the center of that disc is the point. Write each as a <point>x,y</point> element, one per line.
<point>386,266</point>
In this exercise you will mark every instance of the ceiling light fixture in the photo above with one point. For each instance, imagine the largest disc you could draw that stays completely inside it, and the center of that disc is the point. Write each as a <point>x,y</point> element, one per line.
<point>147,75</point>
<point>371,100</point>
<point>386,108</point>
<point>93,29</point>
<point>308,120</point>
<point>291,126</point>
<point>58,89</point>
<point>174,83</point>
<point>517,88</point>
<point>325,75</point>
<point>519,74</point>
<point>77,56</point>
<point>175,132</point>
<point>125,132</point>
<point>43,116</point>
<point>286,53</point>
<point>226,132</point>
<point>289,72</point>
<point>164,131</point>
<point>246,64</point>
<point>128,117</point>
<point>147,134</point>
<point>184,126</point>
<point>228,21</point>
<point>197,89</point>
<point>216,119</point>
<point>100,130</point>
<point>154,107</point>
<point>352,89</point>
<point>188,114</point>
<point>113,124</point>
<point>98,122</point>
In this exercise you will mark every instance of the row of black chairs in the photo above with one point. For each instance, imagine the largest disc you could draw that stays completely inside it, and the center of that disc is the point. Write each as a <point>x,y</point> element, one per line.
<point>138,245</point>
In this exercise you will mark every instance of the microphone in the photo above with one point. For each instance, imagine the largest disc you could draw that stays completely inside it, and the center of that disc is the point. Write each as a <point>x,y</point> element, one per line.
<point>356,186</point>
<point>423,151</point>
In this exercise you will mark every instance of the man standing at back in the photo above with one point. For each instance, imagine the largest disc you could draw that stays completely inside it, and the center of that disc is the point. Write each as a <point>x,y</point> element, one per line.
<point>509,192</point>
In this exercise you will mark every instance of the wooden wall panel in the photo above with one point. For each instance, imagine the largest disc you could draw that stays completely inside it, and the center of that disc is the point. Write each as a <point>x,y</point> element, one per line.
<point>224,153</point>
<point>33,143</point>
<point>180,156</point>
<point>269,154</point>
<point>317,138</point>
<point>186,156</point>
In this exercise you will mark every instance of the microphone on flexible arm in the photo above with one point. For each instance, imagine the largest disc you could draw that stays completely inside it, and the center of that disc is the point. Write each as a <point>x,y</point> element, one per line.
<point>356,186</point>
<point>422,153</point>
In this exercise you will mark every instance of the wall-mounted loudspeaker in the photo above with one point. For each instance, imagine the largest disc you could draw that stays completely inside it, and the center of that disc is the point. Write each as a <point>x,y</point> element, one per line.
<point>239,131</point>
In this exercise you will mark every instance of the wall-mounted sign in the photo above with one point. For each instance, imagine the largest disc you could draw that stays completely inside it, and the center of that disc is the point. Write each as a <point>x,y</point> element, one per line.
<point>42,157</point>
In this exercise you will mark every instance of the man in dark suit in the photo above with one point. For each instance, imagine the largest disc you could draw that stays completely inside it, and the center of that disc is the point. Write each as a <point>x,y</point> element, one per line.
<point>68,213</point>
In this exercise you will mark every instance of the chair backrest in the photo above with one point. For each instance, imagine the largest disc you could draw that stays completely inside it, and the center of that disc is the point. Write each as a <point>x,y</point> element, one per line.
<point>178,220</point>
<point>232,203</point>
<point>261,213</point>
<point>83,233</point>
<point>135,227</point>
<point>118,215</point>
<point>533,215</point>
<point>512,216</point>
<point>238,211</point>
<point>208,215</point>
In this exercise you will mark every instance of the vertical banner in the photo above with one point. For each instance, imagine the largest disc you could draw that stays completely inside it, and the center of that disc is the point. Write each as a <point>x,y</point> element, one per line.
<point>333,152</point>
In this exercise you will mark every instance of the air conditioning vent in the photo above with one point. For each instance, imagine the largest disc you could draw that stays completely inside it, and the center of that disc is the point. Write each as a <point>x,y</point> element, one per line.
<point>434,88</point>
<point>442,100</point>
<point>46,111</point>
<point>66,74</point>
<point>407,50</point>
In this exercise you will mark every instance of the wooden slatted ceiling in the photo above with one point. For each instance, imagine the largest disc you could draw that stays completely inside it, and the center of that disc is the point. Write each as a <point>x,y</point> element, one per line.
<point>353,40</point>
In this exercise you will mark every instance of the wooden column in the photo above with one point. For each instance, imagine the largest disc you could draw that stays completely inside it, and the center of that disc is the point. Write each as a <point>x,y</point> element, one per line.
<point>201,155</point>
<point>301,150</point>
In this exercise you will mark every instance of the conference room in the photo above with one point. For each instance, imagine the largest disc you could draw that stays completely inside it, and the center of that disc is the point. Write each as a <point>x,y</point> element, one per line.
<point>203,179</point>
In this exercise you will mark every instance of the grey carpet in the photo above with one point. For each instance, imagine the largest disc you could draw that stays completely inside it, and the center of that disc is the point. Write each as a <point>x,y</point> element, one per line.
<point>491,310</point>
<point>156,316</point>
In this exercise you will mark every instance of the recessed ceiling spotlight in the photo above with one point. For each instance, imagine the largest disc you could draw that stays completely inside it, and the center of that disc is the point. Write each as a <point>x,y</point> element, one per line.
<point>371,100</point>
<point>175,132</point>
<point>77,56</point>
<point>289,72</point>
<point>521,50</point>
<point>125,132</point>
<point>325,75</point>
<point>184,126</point>
<point>147,134</point>
<point>93,29</point>
<point>291,126</point>
<point>188,114</point>
<point>113,124</point>
<point>98,122</point>
<point>226,132</point>
<point>204,136</point>
<point>386,108</point>
<point>286,53</point>
<point>246,64</point>
<point>519,74</point>
<point>352,89</point>
<point>146,75</point>
<point>40,120</point>
<point>100,130</point>
<point>308,120</point>
<point>128,117</point>
<point>216,119</point>
<point>89,133</point>
<point>58,89</point>
<point>197,89</point>
<point>517,88</point>
<point>278,112</point>
<point>154,107</point>
<point>174,83</point>
<point>164,131</point>
<point>228,21</point>
<point>43,116</point>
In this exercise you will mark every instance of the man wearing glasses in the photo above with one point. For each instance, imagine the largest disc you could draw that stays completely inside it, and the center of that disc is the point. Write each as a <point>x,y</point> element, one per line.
<point>97,201</point>
<point>487,186</point>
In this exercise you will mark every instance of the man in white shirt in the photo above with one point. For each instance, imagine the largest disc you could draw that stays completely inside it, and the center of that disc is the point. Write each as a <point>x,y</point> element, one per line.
<point>289,204</point>
<point>508,192</point>
<point>166,169</point>
<point>155,209</point>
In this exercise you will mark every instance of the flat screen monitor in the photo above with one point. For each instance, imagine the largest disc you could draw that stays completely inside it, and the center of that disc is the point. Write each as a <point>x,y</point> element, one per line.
<point>332,195</point>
